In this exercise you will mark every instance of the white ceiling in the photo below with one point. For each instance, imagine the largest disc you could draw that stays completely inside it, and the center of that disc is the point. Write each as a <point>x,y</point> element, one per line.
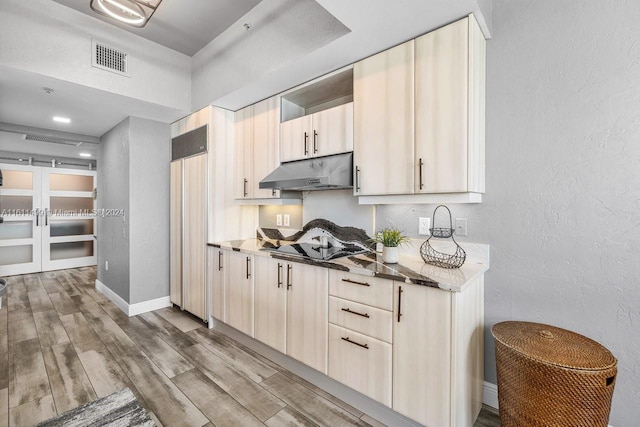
<point>93,111</point>
<point>374,26</point>
<point>182,25</point>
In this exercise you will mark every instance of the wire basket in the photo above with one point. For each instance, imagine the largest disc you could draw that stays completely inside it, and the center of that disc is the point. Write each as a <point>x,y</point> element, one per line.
<point>440,259</point>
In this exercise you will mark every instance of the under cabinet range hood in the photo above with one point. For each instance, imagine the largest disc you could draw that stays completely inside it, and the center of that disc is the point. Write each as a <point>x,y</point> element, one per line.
<point>333,172</point>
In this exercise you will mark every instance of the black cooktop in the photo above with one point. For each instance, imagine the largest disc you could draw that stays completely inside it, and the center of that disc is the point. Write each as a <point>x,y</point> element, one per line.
<point>317,252</point>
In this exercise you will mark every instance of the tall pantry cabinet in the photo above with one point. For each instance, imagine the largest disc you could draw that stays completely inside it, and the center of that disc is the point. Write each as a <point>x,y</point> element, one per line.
<point>188,228</point>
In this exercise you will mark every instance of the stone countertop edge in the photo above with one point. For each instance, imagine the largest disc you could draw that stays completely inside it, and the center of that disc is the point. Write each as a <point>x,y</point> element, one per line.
<point>410,269</point>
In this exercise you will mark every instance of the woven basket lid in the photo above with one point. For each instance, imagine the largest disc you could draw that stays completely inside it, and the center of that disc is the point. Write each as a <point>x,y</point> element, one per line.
<point>554,346</point>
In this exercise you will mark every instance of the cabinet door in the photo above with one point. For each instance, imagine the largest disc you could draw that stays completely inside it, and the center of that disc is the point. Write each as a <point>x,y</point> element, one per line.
<point>217,283</point>
<point>244,130</point>
<point>361,362</point>
<point>195,232</point>
<point>270,302</point>
<point>175,233</point>
<point>332,131</point>
<point>239,288</point>
<point>266,148</point>
<point>383,122</point>
<point>307,314</point>
<point>422,354</point>
<point>442,95</point>
<point>296,139</point>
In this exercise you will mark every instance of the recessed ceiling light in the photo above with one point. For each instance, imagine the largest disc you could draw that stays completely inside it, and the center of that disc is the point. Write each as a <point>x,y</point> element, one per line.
<point>85,155</point>
<point>61,119</point>
<point>133,12</point>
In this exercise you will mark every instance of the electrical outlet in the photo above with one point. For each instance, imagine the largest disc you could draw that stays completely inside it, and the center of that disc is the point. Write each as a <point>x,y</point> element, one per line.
<point>287,220</point>
<point>461,226</point>
<point>106,265</point>
<point>278,219</point>
<point>424,224</point>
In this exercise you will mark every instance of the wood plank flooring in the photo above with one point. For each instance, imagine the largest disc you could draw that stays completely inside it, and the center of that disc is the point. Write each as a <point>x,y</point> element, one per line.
<point>63,344</point>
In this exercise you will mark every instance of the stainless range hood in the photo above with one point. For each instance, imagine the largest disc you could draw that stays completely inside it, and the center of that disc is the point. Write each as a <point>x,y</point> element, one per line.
<point>319,173</point>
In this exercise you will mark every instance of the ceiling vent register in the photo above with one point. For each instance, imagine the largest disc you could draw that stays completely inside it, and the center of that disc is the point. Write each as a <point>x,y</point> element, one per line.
<point>110,59</point>
<point>52,140</point>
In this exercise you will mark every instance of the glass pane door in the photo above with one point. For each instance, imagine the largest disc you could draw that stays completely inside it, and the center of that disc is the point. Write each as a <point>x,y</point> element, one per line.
<point>20,233</point>
<point>69,221</point>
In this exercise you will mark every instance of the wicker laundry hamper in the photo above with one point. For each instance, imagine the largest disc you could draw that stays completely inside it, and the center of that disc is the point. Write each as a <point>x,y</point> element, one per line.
<point>549,376</point>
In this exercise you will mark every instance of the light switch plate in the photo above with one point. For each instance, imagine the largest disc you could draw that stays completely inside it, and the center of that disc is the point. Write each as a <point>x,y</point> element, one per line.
<point>424,224</point>
<point>278,219</point>
<point>287,220</point>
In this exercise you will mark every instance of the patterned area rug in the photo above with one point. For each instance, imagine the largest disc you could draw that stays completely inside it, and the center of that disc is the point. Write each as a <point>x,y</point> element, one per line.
<point>118,409</point>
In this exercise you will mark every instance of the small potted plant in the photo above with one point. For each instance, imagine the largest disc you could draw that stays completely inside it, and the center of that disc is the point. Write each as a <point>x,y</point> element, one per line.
<point>390,238</point>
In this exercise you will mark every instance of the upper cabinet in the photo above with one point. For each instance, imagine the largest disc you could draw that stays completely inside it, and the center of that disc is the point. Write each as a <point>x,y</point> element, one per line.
<point>257,138</point>
<point>419,118</point>
<point>449,109</point>
<point>383,122</point>
<point>317,118</point>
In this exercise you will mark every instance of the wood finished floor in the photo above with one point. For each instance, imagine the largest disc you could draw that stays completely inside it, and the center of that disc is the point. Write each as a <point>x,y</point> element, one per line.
<point>63,344</point>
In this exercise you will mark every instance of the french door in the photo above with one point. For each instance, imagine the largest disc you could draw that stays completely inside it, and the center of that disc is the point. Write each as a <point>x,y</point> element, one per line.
<point>49,219</point>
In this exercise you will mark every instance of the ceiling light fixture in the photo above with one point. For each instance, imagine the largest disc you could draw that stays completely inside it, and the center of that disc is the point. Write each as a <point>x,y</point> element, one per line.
<point>85,155</point>
<point>132,12</point>
<point>61,119</point>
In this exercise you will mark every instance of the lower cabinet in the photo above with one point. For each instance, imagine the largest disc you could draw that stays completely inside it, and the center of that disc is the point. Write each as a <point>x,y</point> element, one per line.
<point>271,303</point>
<point>416,349</point>
<point>239,291</point>
<point>361,362</point>
<point>216,265</point>
<point>307,314</point>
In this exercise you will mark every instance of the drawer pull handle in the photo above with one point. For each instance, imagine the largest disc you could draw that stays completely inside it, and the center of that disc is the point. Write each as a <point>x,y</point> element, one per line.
<point>279,275</point>
<point>355,283</point>
<point>355,312</point>
<point>355,343</point>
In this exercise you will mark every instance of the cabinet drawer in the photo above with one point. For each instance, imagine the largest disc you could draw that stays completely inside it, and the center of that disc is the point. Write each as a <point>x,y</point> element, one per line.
<point>365,319</point>
<point>363,289</point>
<point>360,362</point>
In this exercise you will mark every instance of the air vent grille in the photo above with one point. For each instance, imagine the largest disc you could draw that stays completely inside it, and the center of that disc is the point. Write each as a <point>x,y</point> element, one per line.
<point>51,140</point>
<point>110,59</point>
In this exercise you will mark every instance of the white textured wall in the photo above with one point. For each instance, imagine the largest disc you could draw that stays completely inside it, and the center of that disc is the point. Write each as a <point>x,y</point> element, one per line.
<point>562,209</point>
<point>47,38</point>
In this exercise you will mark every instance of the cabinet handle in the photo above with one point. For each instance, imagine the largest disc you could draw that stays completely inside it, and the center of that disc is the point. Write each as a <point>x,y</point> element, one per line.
<point>355,283</point>
<point>399,302</point>
<point>289,274</point>
<point>219,260</point>
<point>37,218</point>
<point>46,217</point>
<point>420,165</point>
<point>355,312</point>
<point>306,139</point>
<point>248,266</point>
<point>279,275</point>
<point>365,346</point>
<point>357,179</point>
<point>273,192</point>
<point>315,141</point>
<point>245,188</point>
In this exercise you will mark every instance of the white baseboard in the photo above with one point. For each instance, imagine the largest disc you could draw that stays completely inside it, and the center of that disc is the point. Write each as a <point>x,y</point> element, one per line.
<point>490,395</point>
<point>132,309</point>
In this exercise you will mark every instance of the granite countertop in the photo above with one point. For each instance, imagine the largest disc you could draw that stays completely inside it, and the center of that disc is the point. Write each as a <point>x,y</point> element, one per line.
<point>410,268</point>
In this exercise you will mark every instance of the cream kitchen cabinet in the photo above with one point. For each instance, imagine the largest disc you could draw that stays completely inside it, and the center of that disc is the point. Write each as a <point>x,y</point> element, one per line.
<point>419,118</point>
<point>307,314</point>
<point>449,109</point>
<point>383,150</point>
<point>216,277</point>
<point>322,133</point>
<point>271,302</point>
<point>188,231</point>
<point>256,148</point>
<point>438,354</point>
<point>239,299</point>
